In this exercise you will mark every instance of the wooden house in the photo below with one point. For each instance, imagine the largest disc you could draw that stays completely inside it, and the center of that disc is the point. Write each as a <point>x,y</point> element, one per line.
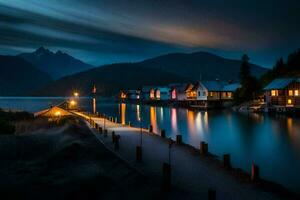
<point>204,93</point>
<point>147,93</point>
<point>283,92</point>
<point>177,92</point>
<point>162,93</point>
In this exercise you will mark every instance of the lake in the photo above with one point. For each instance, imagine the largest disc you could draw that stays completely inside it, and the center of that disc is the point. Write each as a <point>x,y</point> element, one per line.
<point>272,142</point>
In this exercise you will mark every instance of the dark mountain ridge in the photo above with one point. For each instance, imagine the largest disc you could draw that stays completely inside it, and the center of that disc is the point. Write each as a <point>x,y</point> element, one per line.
<point>202,65</point>
<point>57,64</point>
<point>19,77</point>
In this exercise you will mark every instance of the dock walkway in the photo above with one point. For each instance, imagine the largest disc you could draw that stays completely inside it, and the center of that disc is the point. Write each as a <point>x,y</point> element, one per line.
<point>192,174</point>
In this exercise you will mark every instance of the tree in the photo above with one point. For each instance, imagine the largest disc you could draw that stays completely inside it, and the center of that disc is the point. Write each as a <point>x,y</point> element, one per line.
<point>245,68</point>
<point>250,85</point>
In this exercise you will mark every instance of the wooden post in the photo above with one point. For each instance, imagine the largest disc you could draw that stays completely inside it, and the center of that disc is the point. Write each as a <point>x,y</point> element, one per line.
<point>138,154</point>
<point>226,161</point>
<point>117,140</point>
<point>255,172</point>
<point>166,182</point>
<point>212,194</point>
<point>163,133</point>
<point>113,137</point>
<point>179,139</point>
<point>203,148</point>
<point>150,128</point>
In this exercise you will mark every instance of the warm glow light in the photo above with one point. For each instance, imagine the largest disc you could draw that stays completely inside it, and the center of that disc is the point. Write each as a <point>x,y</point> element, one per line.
<point>76,94</point>
<point>173,94</point>
<point>57,113</point>
<point>73,103</point>
<point>289,101</point>
<point>296,92</point>
<point>290,92</point>
<point>157,94</point>
<point>274,93</point>
<point>152,95</point>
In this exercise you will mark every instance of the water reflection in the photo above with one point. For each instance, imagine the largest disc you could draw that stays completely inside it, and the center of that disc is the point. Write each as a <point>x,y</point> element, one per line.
<point>174,120</point>
<point>190,121</point>
<point>138,113</point>
<point>122,112</point>
<point>153,120</point>
<point>94,105</point>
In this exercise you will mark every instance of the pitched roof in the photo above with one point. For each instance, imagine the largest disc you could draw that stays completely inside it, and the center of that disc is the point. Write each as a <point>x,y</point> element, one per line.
<point>231,87</point>
<point>213,85</point>
<point>280,83</point>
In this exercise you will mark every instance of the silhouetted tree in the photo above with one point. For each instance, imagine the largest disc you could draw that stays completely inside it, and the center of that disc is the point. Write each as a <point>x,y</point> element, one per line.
<point>245,68</point>
<point>250,85</point>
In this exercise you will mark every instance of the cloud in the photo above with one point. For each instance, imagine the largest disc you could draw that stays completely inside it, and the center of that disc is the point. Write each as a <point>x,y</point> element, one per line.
<point>137,29</point>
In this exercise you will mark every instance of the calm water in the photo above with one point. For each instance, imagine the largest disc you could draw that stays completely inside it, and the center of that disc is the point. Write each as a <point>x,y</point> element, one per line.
<point>271,142</point>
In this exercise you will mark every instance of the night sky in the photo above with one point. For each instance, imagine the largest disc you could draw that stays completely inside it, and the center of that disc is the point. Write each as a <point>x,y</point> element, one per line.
<point>107,31</point>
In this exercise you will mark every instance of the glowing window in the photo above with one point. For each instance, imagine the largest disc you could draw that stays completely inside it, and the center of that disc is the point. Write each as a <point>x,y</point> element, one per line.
<point>229,94</point>
<point>289,101</point>
<point>290,92</point>
<point>274,93</point>
<point>296,92</point>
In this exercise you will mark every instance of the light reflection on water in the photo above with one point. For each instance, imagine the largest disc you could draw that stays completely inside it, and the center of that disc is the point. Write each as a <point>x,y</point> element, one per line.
<point>272,142</point>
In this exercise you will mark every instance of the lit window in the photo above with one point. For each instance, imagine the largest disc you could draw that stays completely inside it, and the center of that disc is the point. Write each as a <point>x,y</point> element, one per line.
<point>229,94</point>
<point>273,93</point>
<point>211,94</point>
<point>296,92</point>
<point>290,92</point>
<point>289,101</point>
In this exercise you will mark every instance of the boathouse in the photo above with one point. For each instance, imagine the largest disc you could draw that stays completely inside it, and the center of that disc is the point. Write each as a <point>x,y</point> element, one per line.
<point>177,92</point>
<point>283,92</point>
<point>211,93</point>
<point>162,93</point>
<point>147,93</point>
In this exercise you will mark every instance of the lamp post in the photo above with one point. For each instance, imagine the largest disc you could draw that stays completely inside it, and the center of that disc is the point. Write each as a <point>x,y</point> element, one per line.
<point>139,147</point>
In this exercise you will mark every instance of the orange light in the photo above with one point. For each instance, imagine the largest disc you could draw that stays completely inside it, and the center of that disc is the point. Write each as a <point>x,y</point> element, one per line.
<point>289,101</point>
<point>73,103</point>
<point>57,113</point>
<point>76,94</point>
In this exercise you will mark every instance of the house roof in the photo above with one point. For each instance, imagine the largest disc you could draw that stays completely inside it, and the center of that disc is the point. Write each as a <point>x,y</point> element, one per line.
<point>280,83</point>
<point>213,85</point>
<point>231,87</point>
<point>163,89</point>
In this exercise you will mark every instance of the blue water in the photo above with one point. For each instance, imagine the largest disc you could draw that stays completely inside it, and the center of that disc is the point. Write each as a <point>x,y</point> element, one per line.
<point>272,142</point>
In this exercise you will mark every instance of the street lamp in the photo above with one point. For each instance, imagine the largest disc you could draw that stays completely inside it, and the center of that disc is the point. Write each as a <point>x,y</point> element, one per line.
<point>76,94</point>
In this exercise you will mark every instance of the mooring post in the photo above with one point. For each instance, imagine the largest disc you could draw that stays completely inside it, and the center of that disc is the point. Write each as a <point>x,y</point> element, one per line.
<point>113,136</point>
<point>203,148</point>
<point>150,128</point>
<point>117,140</point>
<point>163,133</point>
<point>166,182</point>
<point>138,153</point>
<point>212,195</point>
<point>179,139</point>
<point>255,172</point>
<point>226,161</point>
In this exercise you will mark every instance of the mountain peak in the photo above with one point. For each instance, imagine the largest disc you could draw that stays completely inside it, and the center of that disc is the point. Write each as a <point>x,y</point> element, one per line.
<point>42,50</point>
